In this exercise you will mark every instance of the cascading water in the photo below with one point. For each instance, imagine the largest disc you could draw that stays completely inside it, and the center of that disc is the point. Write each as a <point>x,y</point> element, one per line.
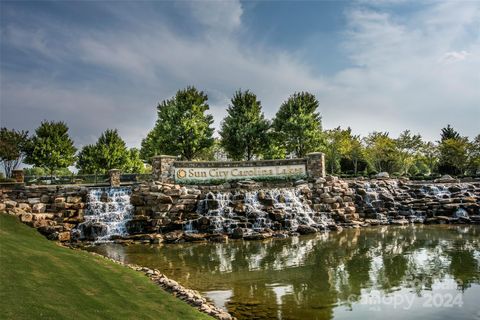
<point>258,211</point>
<point>107,212</point>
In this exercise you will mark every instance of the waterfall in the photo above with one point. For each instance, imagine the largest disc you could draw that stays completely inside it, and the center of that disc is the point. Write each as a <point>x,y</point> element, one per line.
<point>280,208</point>
<point>107,212</point>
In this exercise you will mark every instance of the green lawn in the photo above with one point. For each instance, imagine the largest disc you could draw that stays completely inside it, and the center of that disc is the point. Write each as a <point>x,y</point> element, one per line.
<point>41,280</point>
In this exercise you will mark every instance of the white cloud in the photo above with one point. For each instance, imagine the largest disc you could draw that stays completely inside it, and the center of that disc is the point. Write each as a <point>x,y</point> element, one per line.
<point>215,14</point>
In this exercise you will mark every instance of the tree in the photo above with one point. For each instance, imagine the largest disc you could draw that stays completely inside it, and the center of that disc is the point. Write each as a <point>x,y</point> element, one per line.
<point>112,152</point>
<point>429,152</point>
<point>474,156</point>
<point>356,152</point>
<point>12,149</point>
<point>381,152</point>
<point>87,161</point>
<point>409,147</point>
<point>449,133</point>
<point>298,125</point>
<point>337,145</point>
<point>51,147</point>
<point>182,127</point>
<point>134,163</point>
<point>453,155</point>
<point>244,129</point>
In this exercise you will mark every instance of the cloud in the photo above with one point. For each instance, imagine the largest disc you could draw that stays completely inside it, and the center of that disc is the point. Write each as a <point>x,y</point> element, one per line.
<point>414,71</point>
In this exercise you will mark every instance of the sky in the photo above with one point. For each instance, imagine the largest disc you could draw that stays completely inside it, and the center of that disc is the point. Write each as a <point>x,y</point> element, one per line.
<point>373,65</point>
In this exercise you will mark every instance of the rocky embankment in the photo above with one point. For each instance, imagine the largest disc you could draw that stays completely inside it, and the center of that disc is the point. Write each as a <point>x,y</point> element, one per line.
<point>53,211</point>
<point>170,213</point>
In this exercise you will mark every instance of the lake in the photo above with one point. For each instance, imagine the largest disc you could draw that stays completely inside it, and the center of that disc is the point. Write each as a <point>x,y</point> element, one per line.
<point>415,271</point>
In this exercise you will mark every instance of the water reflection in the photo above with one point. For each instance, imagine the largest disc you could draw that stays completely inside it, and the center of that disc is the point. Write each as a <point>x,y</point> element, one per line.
<point>328,276</point>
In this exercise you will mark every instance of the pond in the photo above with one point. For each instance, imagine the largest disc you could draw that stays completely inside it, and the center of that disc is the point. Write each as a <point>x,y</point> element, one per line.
<point>421,271</point>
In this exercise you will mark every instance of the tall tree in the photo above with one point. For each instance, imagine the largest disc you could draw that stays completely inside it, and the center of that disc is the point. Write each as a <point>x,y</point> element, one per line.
<point>51,147</point>
<point>87,161</point>
<point>429,153</point>
<point>453,155</point>
<point>409,146</point>
<point>337,145</point>
<point>298,124</point>
<point>381,152</point>
<point>244,129</point>
<point>13,145</point>
<point>112,152</point>
<point>449,133</point>
<point>356,152</point>
<point>474,156</point>
<point>182,127</point>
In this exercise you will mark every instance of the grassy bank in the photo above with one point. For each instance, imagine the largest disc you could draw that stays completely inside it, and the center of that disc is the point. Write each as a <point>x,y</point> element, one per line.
<point>41,280</point>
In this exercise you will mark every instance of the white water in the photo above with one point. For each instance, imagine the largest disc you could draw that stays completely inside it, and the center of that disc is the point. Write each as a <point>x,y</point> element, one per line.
<point>109,209</point>
<point>290,202</point>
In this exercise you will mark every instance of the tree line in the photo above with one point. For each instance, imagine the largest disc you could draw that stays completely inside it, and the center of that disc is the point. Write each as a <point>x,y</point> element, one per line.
<point>183,128</point>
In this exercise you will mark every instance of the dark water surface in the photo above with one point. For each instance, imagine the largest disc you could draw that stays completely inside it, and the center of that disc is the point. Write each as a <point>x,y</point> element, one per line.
<point>412,272</point>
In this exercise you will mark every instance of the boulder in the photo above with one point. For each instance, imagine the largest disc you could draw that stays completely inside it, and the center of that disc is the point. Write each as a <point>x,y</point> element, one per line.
<point>64,236</point>
<point>39,208</point>
<point>238,233</point>
<point>446,179</point>
<point>304,229</point>
<point>10,204</point>
<point>382,175</point>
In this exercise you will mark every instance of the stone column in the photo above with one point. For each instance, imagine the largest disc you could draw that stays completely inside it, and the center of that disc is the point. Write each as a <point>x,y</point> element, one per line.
<point>115,177</point>
<point>315,165</point>
<point>18,175</point>
<point>162,168</point>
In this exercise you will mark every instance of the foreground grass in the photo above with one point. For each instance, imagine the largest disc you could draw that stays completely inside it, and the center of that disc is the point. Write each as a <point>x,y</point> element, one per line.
<point>41,280</point>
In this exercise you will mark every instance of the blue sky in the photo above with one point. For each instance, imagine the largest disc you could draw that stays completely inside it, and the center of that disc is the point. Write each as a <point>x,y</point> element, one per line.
<point>380,65</point>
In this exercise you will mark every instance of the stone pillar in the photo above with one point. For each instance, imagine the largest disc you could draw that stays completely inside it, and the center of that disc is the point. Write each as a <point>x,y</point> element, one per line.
<point>162,168</point>
<point>315,165</point>
<point>18,175</point>
<point>115,177</point>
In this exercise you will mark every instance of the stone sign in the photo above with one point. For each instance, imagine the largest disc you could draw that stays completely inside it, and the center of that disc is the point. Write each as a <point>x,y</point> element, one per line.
<point>240,172</point>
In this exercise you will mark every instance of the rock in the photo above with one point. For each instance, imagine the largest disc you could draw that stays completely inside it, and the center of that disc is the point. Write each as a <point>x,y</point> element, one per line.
<point>194,237</point>
<point>257,236</point>
<point>446,179</point>
<point>74,199</point>
<point>304,229</point>
<point>64,236</point>
<point>174,236</point>
<point>382,175</point>
<point>218,238</point>
<point>137,225</point>
<point>39,208</point>
<point>10,204</point>
<point>33,201</point>
<point>3,207</point>
<point>26,217</point>
<point>238,233</point>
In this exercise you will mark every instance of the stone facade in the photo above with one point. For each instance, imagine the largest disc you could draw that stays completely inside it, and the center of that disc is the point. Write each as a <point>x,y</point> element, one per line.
<point>162,167</point>
<point>114,177</point>
<point>315,165</point>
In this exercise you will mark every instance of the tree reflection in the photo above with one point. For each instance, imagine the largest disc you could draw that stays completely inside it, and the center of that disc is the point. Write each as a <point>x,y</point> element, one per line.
<point>307,277</point>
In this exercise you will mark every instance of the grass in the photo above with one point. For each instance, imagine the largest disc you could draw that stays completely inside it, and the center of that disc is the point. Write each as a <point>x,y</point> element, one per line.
<point>41,280</point>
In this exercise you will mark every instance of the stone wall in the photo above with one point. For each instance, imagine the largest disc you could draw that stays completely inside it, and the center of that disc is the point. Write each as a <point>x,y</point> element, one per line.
<point>54,211</point>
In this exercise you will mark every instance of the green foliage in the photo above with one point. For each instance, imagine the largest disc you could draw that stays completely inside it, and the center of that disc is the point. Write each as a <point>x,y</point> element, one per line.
<point>134,163</point>
<point>449,133</point>
<point>298,125</point>
<point>429,156</point>
<point>474,156</point>
<point>381,152</point>
<point>87,160</point>
<point>453,155</point>
<point>356,152</point>
<point>110,152</point>
<point>182,127</point>
<point>51,147</point>
<point>338,144</point>
<point>244,129</point>
<point>408,147</point>
<point>37,171</point>
<point>13,145</point>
